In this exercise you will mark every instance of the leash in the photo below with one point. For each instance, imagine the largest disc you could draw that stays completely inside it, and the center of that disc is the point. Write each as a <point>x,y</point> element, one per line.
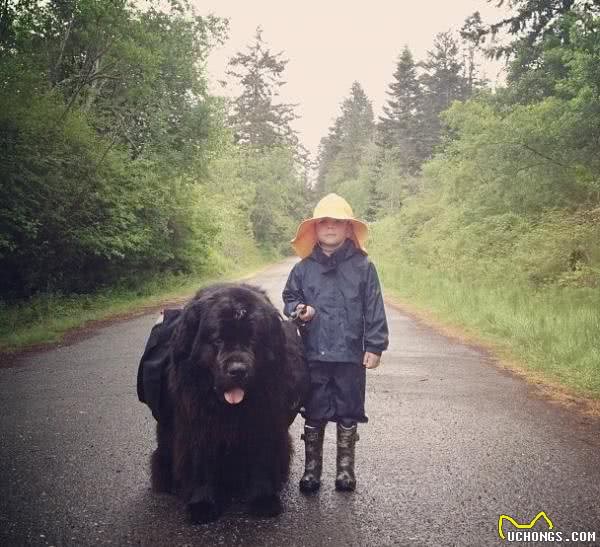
<point>295,316</point>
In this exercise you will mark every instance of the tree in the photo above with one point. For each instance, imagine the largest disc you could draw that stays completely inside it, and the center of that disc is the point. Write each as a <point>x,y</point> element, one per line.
<point>472,33</point>
<point>443,82</point>
<point>374,170</point>
<point>275,161</point>
<point>137,74</point>
<point>341,151</point>
<point>400,126</point>
<point>257,119</point>
<point>356,129</point>
<point>106,124</point>
<point>535,20</point>
<point>541,51</point>
<point>329,147</point>
<point>535,26</point>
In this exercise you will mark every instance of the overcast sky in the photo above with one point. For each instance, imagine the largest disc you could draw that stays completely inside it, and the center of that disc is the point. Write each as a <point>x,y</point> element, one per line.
<point>331,43</point>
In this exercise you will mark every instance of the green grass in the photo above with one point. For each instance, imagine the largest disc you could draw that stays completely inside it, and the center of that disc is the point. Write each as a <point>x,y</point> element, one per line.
<point>554,331</point>
<point>46,318</point>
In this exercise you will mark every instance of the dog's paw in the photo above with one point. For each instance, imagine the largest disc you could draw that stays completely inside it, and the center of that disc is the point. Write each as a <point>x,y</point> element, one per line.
<point>203,511</point>
<point>203,506</point>
<point>161,478</point>
<point>266,506</point>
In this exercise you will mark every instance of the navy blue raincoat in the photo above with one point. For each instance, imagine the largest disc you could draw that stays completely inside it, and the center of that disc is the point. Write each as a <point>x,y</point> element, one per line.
<point>345,292</point>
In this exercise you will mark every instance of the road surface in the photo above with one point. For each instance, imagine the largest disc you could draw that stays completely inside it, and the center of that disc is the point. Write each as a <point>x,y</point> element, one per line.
<point>452,443</point>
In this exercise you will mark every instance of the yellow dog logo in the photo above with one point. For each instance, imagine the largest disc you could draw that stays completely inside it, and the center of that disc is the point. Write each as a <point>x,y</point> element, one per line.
<point>540,515</point>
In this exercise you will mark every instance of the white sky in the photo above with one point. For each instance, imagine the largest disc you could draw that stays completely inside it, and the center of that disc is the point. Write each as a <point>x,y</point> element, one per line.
<point>331,43</point>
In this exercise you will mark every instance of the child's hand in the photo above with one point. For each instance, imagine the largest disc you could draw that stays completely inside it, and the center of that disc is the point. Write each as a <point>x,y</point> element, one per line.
<point>371,360</point>
<point>307,313</point>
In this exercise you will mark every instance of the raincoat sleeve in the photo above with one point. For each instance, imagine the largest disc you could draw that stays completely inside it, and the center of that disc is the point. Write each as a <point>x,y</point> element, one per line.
<point>292,292</point>
<point>376,327</point>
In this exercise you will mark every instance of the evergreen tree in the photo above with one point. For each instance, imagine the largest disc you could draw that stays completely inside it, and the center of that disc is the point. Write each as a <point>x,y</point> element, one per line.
<point>340,153</point>
<point>257,119</point>
<point>535,20</point>
<point>443,82</point>
<point>356,129</point>
<point>399,127</point>
<point>542,32</point>
<point>472,33</point>
<point>329,146</point>
<point>275,160</point>
<point>374,174</point>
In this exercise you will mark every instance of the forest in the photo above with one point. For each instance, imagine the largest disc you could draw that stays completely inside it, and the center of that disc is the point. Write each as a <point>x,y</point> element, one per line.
<point>122,174</point>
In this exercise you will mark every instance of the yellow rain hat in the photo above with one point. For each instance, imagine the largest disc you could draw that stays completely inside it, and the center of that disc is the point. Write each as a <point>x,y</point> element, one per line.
<point>331,206</point>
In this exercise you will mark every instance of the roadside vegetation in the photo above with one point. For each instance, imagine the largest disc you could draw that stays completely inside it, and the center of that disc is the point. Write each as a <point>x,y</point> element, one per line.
<point>45,318</point>
<point>121,177</point>
<point>485,204</point>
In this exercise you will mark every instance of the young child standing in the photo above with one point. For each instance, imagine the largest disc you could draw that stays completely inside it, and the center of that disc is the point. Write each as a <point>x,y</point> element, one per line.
<point>335,291</point>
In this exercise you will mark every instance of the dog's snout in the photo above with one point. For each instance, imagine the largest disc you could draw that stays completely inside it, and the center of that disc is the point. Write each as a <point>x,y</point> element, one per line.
<point>237,370</point>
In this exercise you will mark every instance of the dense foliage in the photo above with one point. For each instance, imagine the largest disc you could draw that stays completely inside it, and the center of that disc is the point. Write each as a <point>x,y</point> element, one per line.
<point>110,146</point>
<point>492,184</point>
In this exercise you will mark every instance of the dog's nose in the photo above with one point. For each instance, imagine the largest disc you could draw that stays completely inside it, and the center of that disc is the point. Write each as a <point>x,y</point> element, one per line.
<point>237,370</point>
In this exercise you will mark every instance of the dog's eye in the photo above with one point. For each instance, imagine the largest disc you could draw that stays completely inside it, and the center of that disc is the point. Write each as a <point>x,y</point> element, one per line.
<point>217,341</point>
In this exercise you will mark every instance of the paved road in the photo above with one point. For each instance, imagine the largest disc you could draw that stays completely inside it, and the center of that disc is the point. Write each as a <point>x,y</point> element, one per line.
<point>452,443</point>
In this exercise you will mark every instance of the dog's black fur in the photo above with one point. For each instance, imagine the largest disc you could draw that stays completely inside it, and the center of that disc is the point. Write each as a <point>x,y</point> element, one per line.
<point>230,338</point>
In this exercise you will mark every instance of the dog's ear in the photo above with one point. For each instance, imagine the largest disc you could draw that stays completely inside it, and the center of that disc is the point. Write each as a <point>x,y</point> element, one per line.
<point>186,331</point>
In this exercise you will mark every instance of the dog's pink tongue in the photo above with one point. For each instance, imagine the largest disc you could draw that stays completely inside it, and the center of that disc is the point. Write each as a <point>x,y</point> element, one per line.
<point>234,396</point>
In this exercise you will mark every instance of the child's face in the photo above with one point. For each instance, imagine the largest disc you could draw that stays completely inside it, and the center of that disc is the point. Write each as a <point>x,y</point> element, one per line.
<point>331,232</point>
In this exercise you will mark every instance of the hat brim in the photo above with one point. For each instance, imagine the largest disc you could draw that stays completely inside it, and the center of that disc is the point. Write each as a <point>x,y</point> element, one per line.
<point>306,236</point>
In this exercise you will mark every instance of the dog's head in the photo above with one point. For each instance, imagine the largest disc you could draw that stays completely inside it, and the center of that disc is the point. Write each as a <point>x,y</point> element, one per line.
<point>230,336</point>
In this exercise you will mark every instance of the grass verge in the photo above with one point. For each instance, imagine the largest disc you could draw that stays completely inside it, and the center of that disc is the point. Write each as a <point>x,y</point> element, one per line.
<point>45,319</point>
<point>549,336</point>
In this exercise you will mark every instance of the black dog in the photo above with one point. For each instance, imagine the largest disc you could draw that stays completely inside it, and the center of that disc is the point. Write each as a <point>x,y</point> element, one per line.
<point>234,382</point>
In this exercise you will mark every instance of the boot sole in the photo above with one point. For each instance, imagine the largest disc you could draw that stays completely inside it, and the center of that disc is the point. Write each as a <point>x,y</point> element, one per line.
<point>309,489</point>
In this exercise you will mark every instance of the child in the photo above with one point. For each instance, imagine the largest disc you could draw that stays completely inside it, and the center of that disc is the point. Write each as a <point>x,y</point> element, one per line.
<point>335,291</point>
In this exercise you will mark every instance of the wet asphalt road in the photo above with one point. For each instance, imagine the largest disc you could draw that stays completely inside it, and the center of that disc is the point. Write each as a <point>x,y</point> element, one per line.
<point>451,444</point>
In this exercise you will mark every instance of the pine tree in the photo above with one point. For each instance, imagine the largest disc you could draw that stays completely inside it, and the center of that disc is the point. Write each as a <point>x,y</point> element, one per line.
<point>472,33</point>
<point>258,120</point>
<point>532,21</point>
<point>341,151</point>
<point>374,174</point>
<point>443,82</point>
<point>399,127</point>
<point>328,150</point>
<point>535,28</point>
<point>356,129</point>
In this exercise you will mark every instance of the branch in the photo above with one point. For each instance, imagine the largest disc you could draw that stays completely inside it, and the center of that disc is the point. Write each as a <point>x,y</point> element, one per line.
<point>548,158</point>
<point>527,167</point>
<point>527,147</point>
<point>63,45</point>
<point>87,79</point>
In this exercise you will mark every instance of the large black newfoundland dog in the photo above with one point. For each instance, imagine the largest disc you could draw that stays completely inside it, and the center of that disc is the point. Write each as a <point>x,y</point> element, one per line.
<point>233,383</point>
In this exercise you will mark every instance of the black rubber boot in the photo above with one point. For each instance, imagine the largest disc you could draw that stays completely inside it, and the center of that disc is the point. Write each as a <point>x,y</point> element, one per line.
<point>346,439</point>
<point>313,463</point>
